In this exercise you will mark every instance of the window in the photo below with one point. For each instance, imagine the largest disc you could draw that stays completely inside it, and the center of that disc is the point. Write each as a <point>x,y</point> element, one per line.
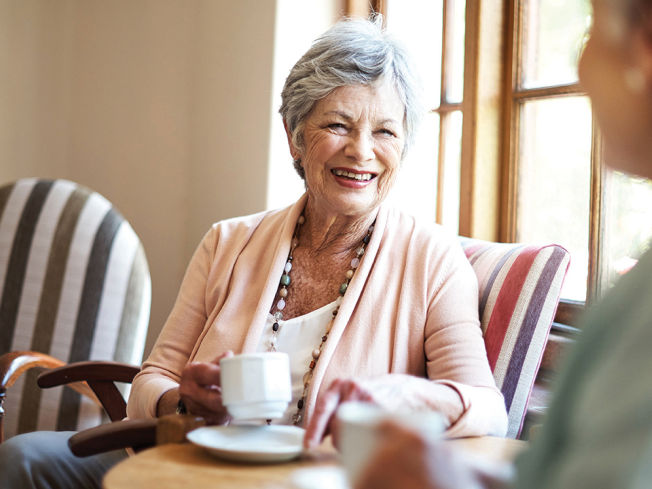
<point>511,139</point>
<point>558,186</point>
<point>549,169</point>
<point>435,39</point>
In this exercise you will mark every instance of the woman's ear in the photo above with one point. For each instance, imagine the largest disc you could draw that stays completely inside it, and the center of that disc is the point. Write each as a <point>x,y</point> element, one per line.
<point>294,152</point>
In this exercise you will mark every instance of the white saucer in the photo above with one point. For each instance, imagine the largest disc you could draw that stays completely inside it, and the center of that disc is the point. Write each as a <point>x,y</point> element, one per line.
<point>250,443</point>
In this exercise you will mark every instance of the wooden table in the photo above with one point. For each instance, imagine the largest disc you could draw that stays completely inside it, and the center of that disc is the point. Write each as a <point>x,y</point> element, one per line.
<point>184,465</point>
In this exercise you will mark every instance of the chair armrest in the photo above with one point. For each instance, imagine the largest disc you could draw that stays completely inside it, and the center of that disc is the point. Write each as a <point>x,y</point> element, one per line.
<point>88,371</point>
<point>133,433</point>
<point>100,377</point>
<point>14,363</point>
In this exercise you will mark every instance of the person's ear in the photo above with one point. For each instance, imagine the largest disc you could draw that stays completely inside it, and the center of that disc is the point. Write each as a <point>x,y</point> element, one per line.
<point>294,152</point>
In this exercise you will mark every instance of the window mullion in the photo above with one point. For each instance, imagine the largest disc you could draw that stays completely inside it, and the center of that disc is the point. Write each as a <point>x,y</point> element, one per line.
<point>597,220</point>
<point>439,215</point>
<point>511,113</point>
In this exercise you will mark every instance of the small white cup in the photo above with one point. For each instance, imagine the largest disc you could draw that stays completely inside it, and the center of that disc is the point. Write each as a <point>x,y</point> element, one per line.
<point>256,385</point>
<point>358,435</point>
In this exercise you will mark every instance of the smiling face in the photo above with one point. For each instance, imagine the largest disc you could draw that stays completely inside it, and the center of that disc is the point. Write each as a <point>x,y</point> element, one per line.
<point>353,142</point>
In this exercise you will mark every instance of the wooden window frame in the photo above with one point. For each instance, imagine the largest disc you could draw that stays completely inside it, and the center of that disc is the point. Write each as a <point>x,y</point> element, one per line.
<point>363,8</point>
<point>568,311</point>
<point>491,109</point>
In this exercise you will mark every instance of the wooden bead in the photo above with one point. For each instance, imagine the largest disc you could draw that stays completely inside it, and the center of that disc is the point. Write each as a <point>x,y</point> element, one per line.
<point>307,377</point>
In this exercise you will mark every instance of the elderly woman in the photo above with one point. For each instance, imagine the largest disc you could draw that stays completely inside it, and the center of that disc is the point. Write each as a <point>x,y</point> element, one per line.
<point>598,431</point>
<point>368,303</point>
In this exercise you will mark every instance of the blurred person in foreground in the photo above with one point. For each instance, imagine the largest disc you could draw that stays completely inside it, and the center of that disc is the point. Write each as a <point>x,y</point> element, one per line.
<point>368,303</point>
<point>598,430</point>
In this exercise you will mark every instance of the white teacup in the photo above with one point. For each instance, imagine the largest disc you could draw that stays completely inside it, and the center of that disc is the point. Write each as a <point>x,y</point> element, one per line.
<point>256,385</point>
<point>358,435</point>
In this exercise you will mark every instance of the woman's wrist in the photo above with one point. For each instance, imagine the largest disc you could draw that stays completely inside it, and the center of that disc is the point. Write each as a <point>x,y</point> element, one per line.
<point>168,402</point>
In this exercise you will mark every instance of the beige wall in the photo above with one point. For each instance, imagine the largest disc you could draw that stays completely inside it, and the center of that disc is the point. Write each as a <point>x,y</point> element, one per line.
<point>163,106</point>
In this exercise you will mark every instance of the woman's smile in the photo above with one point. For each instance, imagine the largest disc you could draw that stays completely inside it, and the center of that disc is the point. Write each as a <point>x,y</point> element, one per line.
<point>350,178</point>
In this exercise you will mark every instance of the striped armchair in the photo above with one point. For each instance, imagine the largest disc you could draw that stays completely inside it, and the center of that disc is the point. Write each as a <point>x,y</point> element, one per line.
<point>74,286</point>
<point>519,288</point>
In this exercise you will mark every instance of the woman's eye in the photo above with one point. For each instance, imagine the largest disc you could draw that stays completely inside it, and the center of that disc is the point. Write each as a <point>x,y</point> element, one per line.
<point>336,125</point>
<point>387,132</point>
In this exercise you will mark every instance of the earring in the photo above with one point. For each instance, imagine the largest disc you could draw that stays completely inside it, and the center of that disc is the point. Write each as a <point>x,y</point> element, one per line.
<point>634,80</point>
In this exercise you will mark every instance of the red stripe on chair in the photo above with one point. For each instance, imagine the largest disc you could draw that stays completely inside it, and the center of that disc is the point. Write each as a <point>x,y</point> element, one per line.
<point>529,323</point>
<point>484,297</point>
<point>473,249</point>
<point>506,302</point>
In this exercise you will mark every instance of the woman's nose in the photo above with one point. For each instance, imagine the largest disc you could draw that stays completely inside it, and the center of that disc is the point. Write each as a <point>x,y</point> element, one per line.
<point>360,146</point>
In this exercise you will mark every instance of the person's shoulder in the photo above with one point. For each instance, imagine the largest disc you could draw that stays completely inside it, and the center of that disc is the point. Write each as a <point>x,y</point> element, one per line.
<point>420,231</point>
<point>248,222</point>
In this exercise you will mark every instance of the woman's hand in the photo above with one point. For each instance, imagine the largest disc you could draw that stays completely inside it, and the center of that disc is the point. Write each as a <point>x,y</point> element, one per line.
<point>405,459</point>
<point>392,392</point>
<point>201,392</point>
<point>321,421</point>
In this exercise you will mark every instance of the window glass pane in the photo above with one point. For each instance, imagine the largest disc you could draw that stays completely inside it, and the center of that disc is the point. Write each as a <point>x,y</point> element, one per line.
<point>554,171</point>
<point>627,233</point>
<point>551,40</point>
<point>418,24</point>
<point>452,137</point>
<point>416,188</point>
<point>454,70</point>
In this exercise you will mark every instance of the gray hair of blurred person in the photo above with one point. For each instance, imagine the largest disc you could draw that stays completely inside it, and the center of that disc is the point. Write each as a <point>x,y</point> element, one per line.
<point>352,52</point>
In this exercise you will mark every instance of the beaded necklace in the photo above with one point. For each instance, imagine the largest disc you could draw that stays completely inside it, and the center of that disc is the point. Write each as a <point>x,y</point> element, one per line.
<point>280,305</point>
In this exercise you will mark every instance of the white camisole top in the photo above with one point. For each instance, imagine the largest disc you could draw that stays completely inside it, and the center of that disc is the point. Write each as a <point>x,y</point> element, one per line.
<point>297,337</point>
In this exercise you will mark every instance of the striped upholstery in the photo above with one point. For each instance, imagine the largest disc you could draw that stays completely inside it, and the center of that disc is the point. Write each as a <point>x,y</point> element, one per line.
<point>519,292</point>
<point>74,283</point>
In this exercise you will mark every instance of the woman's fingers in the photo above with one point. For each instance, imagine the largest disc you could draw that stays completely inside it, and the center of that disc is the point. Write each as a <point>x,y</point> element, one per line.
<point>200,390</point>
<point>226,354</point>
<point>202,373</point>
<point>322,419</point>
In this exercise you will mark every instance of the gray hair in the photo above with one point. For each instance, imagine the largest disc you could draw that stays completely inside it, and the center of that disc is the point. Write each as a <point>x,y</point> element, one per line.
<point>352,52</point>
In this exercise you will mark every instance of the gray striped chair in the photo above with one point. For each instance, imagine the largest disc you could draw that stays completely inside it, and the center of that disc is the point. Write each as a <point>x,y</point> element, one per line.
<point>74,286</point>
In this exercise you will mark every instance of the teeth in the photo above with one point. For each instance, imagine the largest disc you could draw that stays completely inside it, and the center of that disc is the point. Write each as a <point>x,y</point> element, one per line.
<point>354,176</point>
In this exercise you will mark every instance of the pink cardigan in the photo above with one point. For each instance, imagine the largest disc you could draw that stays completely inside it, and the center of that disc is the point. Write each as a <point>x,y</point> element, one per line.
<point>410,313</point>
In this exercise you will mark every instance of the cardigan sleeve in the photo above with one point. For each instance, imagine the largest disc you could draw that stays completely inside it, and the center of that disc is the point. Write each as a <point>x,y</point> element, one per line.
<point>455,353</point>
<point>181,332</point>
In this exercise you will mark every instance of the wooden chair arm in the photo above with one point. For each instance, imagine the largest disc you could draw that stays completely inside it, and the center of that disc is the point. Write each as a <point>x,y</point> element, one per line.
<point>100,377</point>
<point>88,371</point>
<point>14,363</point>
<point>134,433</point>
